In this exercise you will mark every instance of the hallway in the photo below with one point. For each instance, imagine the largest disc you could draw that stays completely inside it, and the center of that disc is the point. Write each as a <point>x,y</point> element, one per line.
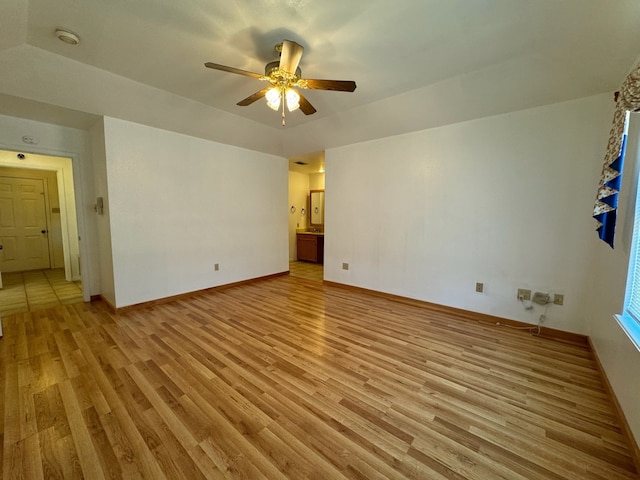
<point>35,290</point>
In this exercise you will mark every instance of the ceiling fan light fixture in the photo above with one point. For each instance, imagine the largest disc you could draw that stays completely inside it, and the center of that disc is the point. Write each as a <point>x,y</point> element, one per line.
<point>293,99</point>
<point>285,77</point>
<point>273,98</point>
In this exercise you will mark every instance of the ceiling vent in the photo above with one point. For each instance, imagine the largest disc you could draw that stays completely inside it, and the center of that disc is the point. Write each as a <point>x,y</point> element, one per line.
<point>67,37</point>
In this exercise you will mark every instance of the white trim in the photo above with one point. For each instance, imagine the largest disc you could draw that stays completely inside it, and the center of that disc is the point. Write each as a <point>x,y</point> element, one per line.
<point>630,327</point>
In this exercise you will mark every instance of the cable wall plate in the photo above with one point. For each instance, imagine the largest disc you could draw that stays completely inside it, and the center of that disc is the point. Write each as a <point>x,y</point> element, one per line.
<point>541,298</point>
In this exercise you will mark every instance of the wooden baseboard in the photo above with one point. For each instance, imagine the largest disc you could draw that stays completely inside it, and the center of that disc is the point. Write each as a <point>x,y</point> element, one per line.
<point>461,314</point>
<point>101,298</point>
<point>633,445</point>
<point>182,296</point>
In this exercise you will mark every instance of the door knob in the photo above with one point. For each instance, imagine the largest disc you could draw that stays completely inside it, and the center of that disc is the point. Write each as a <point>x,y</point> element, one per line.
<point>43,231</point>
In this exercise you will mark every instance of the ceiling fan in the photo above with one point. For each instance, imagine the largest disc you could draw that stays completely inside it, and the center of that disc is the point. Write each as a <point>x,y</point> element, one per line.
<point>284,77</point>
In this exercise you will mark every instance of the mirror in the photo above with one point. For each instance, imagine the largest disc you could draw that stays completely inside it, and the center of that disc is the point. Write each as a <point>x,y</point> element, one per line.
<point>316,207</point>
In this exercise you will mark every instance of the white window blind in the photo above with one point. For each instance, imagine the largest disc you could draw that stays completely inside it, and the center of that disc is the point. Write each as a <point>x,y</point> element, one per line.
<point>632,302</point>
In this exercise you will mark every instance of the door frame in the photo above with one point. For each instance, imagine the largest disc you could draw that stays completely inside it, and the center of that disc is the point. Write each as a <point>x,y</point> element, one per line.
<point>68,174</point>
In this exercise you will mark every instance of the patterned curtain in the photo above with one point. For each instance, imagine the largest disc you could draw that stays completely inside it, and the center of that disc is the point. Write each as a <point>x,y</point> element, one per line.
<point>605,208</point>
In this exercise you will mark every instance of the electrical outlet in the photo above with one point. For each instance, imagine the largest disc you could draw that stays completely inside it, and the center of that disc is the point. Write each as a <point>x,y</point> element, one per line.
<point>524,294</point>
<point>558,299</point>
<point>216,267</point>
<point>479,287</point>
<point>345,266</point>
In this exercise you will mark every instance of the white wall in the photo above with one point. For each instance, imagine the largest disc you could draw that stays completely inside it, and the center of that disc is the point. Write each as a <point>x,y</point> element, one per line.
<point>72,143</point>
<point>503,200</point>
<point>618,355</point>
<point>180,204</point>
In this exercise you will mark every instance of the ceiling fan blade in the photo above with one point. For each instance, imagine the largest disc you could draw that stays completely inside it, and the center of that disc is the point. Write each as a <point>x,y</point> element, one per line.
<point>255,97</point>
<point>305,106</point>
<point>336,85</point>
<point>224,68</point>
<point>290,56</point>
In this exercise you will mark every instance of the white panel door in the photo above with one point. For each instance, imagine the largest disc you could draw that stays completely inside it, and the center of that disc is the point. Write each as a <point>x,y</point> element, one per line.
<point>23,225</point>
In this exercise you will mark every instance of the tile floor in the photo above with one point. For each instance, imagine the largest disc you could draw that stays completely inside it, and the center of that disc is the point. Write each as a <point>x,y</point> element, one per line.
<point>310,271</point>
<point>37,289</point>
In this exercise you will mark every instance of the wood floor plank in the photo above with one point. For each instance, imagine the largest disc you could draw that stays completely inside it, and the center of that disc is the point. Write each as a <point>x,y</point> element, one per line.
<point>287,378</point>
<point>87,455</point>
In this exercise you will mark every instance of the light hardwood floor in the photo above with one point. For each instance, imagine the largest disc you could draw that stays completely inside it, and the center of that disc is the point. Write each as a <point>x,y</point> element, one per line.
<point>287,378</point>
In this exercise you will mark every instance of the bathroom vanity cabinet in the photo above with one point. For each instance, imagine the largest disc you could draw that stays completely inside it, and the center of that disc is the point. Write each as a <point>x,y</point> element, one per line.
<point>310,247</point>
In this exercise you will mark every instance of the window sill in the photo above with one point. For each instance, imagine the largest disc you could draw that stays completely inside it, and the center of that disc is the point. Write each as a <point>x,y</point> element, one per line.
<point>631,328</point>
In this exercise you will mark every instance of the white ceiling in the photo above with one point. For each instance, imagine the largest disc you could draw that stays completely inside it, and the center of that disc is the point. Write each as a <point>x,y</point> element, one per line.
<point>417,63</point>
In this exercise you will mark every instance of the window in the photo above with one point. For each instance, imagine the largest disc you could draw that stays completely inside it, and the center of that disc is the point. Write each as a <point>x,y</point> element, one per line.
<point>630,318</point>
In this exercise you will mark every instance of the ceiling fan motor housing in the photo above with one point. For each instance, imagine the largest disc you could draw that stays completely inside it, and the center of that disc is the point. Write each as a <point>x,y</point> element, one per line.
<point>275,65</point>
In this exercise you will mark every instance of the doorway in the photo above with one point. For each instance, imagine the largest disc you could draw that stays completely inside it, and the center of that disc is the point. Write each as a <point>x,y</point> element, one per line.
<point>306,173</point>
<point>40,255</point>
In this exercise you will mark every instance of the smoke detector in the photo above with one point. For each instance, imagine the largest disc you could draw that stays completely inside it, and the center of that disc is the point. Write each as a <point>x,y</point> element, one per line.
<point>67,37</point>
